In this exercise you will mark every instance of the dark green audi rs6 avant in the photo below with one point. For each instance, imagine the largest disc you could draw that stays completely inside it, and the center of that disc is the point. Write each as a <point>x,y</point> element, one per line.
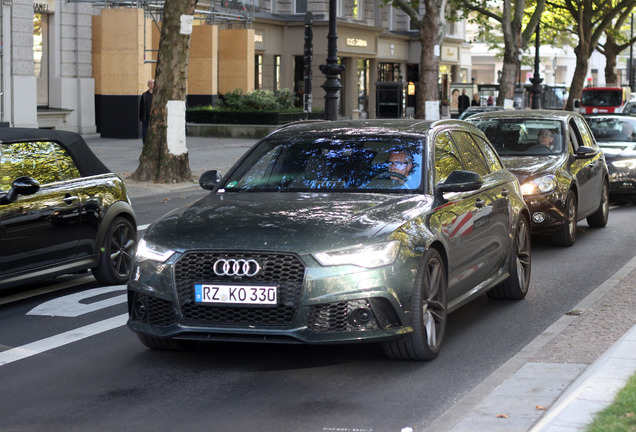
<point>337,232</point>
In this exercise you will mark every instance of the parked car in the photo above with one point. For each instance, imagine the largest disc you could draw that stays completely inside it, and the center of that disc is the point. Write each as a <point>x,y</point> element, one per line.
<point>472,110</point>
<point>337,232</point>
<point>61,210</point>
<point>615,134</point>
<point>562,171</point>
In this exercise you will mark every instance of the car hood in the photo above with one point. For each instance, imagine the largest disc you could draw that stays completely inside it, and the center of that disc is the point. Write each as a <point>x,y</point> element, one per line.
<point>619,149</point>
<point>525,167</point>
<point>299,222</point>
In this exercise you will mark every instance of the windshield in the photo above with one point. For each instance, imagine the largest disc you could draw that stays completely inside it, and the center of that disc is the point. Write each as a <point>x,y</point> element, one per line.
<point>327,163</point>
<point>522,136</point>
<point>602,97</point>
<point>613,129</point>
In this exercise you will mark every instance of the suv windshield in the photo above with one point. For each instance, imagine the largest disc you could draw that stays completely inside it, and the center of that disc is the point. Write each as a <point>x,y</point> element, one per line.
<point>327,163</point>
<point>613,129</point>
<point>523,137</point>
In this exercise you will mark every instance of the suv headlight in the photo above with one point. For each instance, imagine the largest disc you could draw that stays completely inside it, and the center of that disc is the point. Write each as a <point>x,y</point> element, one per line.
<point>367,256</point>
<point>627,163</point>
<point>539,185</point>
<point>150,251</point>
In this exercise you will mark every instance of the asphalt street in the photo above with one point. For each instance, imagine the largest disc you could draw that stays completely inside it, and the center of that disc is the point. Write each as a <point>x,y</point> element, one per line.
<point>556,383</point>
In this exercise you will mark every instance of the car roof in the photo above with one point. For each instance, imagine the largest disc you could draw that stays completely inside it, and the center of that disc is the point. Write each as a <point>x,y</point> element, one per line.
<point>87,163</point>
<point>365,127</point>
<point>522,114</point>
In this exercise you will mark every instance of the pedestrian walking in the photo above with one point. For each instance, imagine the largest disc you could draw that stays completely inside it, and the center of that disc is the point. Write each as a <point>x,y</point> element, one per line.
<point>144,108</point>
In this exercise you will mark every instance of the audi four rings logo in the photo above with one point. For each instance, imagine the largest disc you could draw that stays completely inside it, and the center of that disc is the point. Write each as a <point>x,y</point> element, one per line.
<point>236,267</point>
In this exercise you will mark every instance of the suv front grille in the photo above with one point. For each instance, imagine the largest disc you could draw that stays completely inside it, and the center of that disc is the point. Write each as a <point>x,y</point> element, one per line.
<point>286,271</point>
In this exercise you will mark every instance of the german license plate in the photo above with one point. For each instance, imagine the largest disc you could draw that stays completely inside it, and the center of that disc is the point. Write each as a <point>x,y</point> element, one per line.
<point>236,294</point>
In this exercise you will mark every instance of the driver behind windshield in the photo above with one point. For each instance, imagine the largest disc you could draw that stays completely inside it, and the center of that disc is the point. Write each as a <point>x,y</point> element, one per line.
<point>399,166</point>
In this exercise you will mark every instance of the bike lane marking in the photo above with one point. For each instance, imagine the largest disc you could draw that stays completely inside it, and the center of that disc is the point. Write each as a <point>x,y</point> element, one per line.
<point>38,347</point>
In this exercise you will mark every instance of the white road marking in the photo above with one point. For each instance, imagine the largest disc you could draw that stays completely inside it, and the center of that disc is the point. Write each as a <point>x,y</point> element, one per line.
<point>72,305</point>
<point>142,227</point>
<point>38,347</point>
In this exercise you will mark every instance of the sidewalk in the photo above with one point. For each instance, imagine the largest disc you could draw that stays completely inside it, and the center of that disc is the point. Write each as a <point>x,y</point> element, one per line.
<point>555,384</point>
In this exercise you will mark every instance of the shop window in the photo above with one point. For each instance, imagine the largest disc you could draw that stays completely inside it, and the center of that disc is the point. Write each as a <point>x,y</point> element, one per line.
<point>389,72</point>
<point>300,6</point>
<point>358,9</point>
<point>258,73</point>
<point>276,72</point>
<point>41,57</point>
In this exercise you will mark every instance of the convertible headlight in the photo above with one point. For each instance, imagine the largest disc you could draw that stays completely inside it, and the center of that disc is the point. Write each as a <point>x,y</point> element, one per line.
<point>368,256</point>
<point>543,184</point>
<point>627,163</point>
<point>149,251</point>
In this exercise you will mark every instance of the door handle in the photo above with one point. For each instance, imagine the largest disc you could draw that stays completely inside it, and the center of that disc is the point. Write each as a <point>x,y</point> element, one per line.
<point>479,203</point>
<point>68,199</point>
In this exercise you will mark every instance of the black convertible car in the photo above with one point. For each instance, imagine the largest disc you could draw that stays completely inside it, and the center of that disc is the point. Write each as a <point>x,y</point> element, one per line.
<point>61,210</point>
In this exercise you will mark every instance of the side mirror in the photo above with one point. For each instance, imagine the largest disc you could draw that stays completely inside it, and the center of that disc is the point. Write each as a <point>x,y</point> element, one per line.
<point>460,181</point>
<point>20,186</point>
<point>584,152</point>
<point>210,179</point>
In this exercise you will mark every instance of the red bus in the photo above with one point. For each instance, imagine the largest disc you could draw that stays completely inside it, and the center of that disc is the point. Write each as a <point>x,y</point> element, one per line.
<point>603,99</point>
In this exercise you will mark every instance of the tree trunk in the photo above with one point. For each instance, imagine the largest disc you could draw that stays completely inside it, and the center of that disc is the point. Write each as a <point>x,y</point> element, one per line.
<point>612,50</point>
<point>164,158</point>
<point>578,80</point>
<point>428,103</point>
<point>508,77</point>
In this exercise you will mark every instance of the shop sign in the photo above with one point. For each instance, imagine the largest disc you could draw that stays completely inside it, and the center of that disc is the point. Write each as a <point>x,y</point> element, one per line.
<point>43,7</point>
<point>258,38</point>
<point>355,42</point>
<point>450,53</point>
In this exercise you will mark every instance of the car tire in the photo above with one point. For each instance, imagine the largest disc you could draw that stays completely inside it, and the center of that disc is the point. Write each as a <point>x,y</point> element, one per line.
<point>429,313</point>
<point>117,253</point>
<point>599,218</point>
<point>566,235</point>
<point>519,266</point>
<point>165,344</point>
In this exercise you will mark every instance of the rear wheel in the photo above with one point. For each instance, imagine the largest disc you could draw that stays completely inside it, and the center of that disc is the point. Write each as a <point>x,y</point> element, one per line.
<point>429,313</point>
<point>516,286</point>
<point>567,233</point>
<point>599,218</point>
<point>165,344</point>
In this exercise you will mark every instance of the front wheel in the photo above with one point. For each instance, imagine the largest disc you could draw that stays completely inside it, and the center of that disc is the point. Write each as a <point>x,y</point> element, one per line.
<point>516,286</point>
<point>566,235</point>
<point>599,218</point>
<point>429,313</point>
<point>117,253</point>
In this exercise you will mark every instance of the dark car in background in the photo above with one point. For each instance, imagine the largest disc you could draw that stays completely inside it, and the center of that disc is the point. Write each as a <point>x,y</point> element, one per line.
<point>562,171</point>
<point>61,210</point>
<point>472,110</point>
<point>337,232</point>
<point>616,135</point>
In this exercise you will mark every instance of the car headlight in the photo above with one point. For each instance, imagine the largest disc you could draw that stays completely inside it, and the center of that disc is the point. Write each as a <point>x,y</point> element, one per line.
<point>543,184</point>
<point>367,256</point>
<point>628,163</point>
<point>149,251</point>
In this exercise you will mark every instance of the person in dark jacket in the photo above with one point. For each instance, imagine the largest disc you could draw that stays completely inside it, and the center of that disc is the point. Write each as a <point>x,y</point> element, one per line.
<point>144,108</point>
<point>464,102</point>
<point>475,101</point>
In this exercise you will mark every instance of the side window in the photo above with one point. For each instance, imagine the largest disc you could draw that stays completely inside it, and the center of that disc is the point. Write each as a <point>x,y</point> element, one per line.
<point>586,134</point>
<point>447,158</point>
<point>574,136</point>
<point>46,162</point>
<point>491,156</point>
<point>473,157</point>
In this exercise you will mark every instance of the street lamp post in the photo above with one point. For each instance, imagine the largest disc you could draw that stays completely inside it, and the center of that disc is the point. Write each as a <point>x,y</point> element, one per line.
<point>332,69</point>
<point>536,80</point>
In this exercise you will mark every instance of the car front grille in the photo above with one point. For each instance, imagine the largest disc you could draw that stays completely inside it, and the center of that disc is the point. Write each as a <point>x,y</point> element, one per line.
<point>286,271</point>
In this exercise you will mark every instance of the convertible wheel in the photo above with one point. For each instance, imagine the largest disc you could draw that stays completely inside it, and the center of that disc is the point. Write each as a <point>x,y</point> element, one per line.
<point>429,313</point>
<point>567,234</point>
<point>516,286</point>
<point>117,253</point>
<point>599,218</point>
<point>165,344</point>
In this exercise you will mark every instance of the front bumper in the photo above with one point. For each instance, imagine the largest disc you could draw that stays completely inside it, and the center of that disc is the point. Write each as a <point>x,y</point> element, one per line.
<point>547,212</point>
<point>316,305</point>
